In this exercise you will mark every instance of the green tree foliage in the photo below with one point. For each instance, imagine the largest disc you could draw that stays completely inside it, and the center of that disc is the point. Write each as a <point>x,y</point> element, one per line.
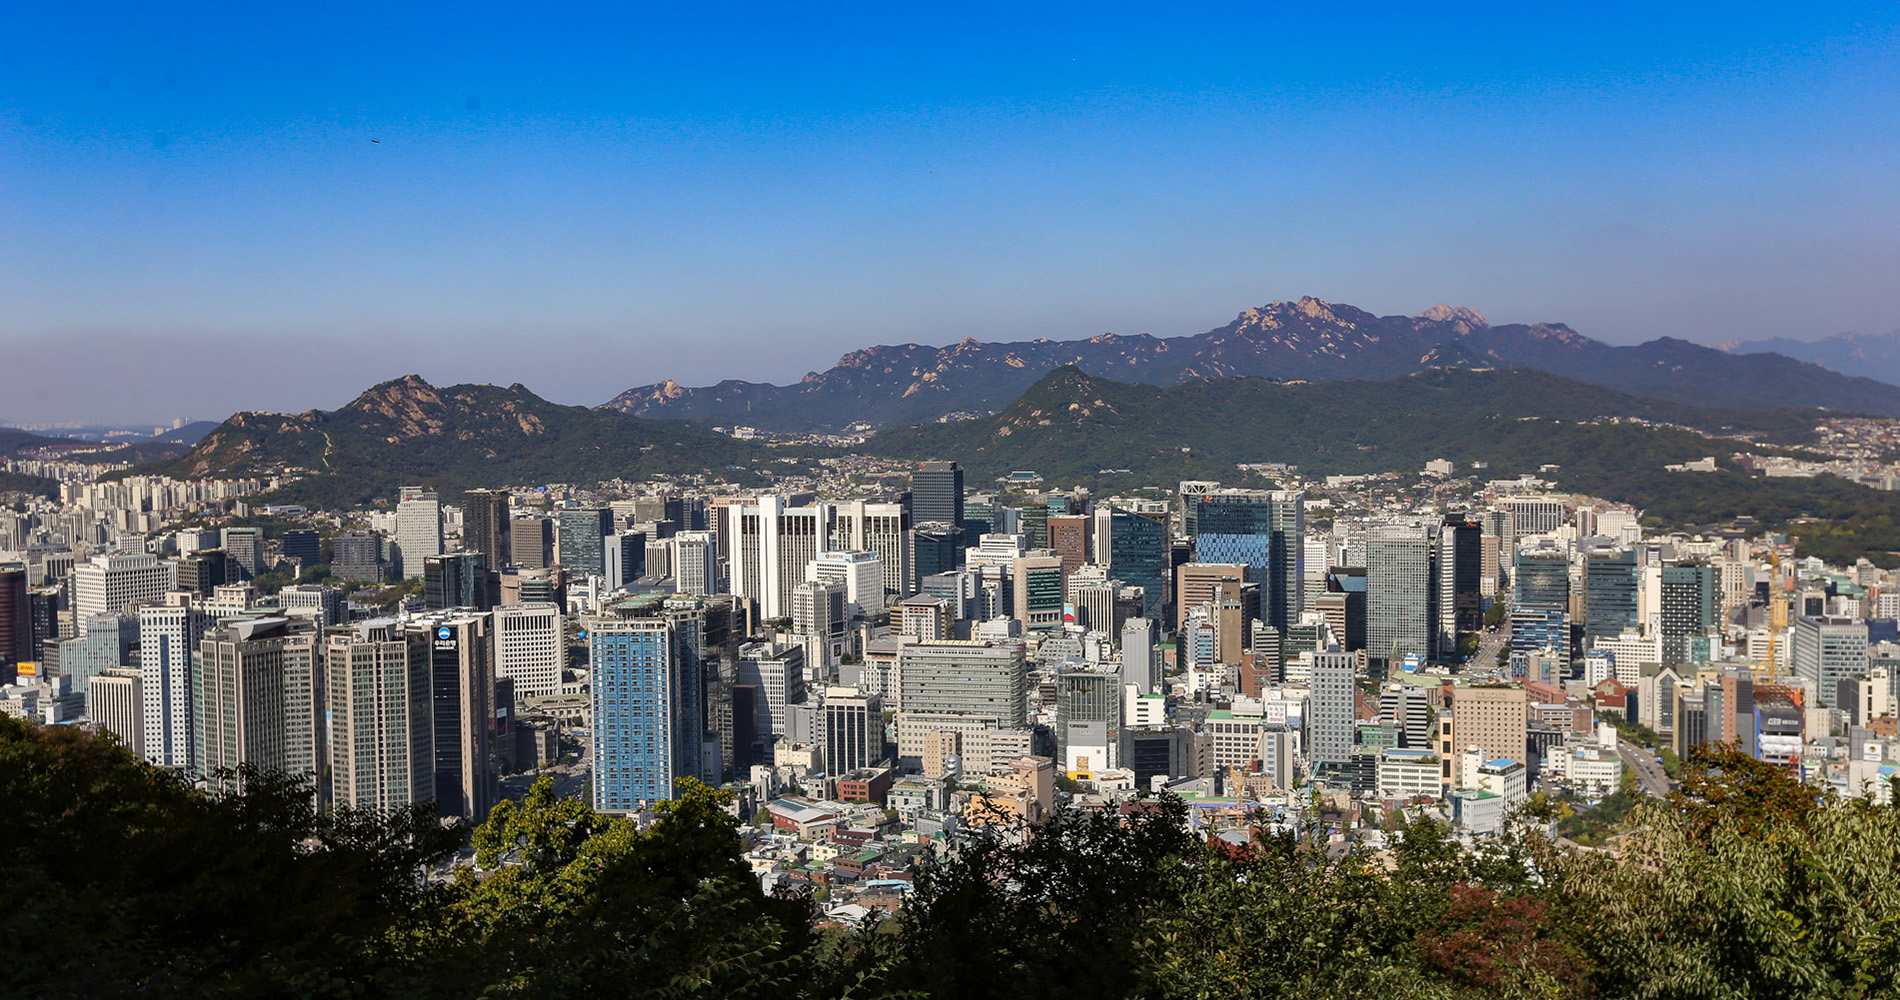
<point>123,880</point>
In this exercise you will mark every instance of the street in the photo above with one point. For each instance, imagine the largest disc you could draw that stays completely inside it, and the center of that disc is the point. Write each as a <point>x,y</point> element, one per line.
<point>1649,774</point>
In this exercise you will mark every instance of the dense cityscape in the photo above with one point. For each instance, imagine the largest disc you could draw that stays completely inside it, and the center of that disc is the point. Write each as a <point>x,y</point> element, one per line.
<point>1028,502</point>
<point>873,680</point>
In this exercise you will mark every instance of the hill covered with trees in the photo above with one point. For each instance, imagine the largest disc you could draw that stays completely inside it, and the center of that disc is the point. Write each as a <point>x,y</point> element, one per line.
<point>123,880</point>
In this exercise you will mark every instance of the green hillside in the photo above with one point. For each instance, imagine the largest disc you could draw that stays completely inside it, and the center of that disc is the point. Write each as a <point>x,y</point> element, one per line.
<point>1072,427</point>
<point>454,438</point>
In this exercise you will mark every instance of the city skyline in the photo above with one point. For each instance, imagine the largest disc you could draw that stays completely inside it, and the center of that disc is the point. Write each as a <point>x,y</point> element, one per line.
<point>697,198</point>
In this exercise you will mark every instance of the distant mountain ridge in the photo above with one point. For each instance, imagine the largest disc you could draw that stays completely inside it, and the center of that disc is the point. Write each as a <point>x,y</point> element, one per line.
<point>1871,355</point>
<point>453,438</point>
<point>1305,340</point>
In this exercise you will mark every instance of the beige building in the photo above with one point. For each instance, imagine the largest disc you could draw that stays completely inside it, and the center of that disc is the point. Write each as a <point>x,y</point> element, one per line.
<point>1026,792</point>
<point>1492,718</point>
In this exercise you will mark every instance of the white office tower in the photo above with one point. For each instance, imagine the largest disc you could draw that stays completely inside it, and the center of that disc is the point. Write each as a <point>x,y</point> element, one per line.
<point>1141,655</point>
<point>617,570</point>
<point>996,550</point>
<point>769,547</point>
<point>777,670</point>
<point>257,699</point>
<point>861,574</point>
<point>119,585</point>
<point>531,647</point>
<point>167,636</point>
<point>381,747</point>
<point>321,604</point>
<point>418,528</point>
<point>882,529</point>
<point>695,562</point>
<point>113,702</point>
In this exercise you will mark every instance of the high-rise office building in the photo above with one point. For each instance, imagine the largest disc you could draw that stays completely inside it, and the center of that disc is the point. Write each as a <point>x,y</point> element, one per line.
<point>303,545</point>
<point>1494,719</point>
<point>114,702</point>
<point>624,559</point>
<point>645,735</point>
<point>531,542</point>
<point>1690,605</point>
<point>1138,555</point>
<point>854,730</point>
<point>16,621</point>
<point>974,678</point>
<point>485,526</point>
<point>1085,698</point>
<point>167,635</point>
<point>1540,602</point>
<point>936,493</point>
<point>313,601</point>
<point>777,672</point>
<point>1069,539</point>
<point>1609,594</point>
<point>1460,581</point>
<point>530,647</point>
<point>459,650</point>
<point>582,539</point>
<point>1827,651</point>
<point>243,552</point>
<point>937,547</point>
<point>1199,583</point>
<point>1330,723</point>
<point>456,581</point>
<point>1036,589</point>
<point>1401,593</point>
<point>257,699</point>
<point>357,554</point>
<point>770,547</point>
<point>119,584</point>
<point>1266,529</point>
<point>418,528</point>
<point>882,529</point>
<point>1141,657</point>
<point>381,745</point>
<point>860,574</point>
<point>695,562</point>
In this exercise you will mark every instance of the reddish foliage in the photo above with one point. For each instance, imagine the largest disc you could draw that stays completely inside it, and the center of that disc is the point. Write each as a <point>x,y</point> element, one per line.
<point>1487,941</point>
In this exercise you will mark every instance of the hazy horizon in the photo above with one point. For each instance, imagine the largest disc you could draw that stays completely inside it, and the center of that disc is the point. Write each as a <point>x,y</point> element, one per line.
<point>235,208</point>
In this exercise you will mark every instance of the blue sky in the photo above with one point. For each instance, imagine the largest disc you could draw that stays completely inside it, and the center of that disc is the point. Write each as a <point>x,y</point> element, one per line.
<point>194,217</point>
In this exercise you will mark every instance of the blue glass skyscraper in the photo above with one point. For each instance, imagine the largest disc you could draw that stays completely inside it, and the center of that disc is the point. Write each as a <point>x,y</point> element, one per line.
<point>1138,553</point>
<point>648,726</point>
<point>1266,529</point>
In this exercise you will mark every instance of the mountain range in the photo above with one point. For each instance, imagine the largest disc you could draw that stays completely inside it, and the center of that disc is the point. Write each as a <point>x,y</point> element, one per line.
<point>454,438</point>
<point>1309,340</point>
<point>1875,355</point>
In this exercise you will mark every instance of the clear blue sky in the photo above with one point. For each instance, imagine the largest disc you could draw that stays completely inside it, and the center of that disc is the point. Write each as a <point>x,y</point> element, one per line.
<point>194,217</point>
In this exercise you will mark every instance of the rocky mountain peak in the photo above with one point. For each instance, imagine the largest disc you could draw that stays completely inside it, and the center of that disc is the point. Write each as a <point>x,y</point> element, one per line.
<point>1442,313</point>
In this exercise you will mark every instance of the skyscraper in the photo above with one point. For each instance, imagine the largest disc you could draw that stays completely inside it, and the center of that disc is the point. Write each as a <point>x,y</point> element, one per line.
<point>1401,593</point>
<point>1138,555</point>
<point>531,542</point>
<point>1690,602</point>
<point>459,650</point>
<point>625,558</point>
<point>243,553</point>
<point>119,584</point>
<point>485,525</point>
<point>777,672</point>
<point>1329,729</point>
<point>1609,593</point>
<point>167,635</point>
<point>16,621</point>
<point>1266,529</point>
<point>645,736</point>
<point>937,547</point>
<point>456,581</point>
<point>583,535</point>
<point>1460,581</point>
<point>418,528</point>
<point>936,493</point>
<point>257,698</point>
<point>882,529</point>
<point>770,546</point>
<point>381,746</point>
<point>854,730</point>
<point>530,647</point>
<point>1540,605</point>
